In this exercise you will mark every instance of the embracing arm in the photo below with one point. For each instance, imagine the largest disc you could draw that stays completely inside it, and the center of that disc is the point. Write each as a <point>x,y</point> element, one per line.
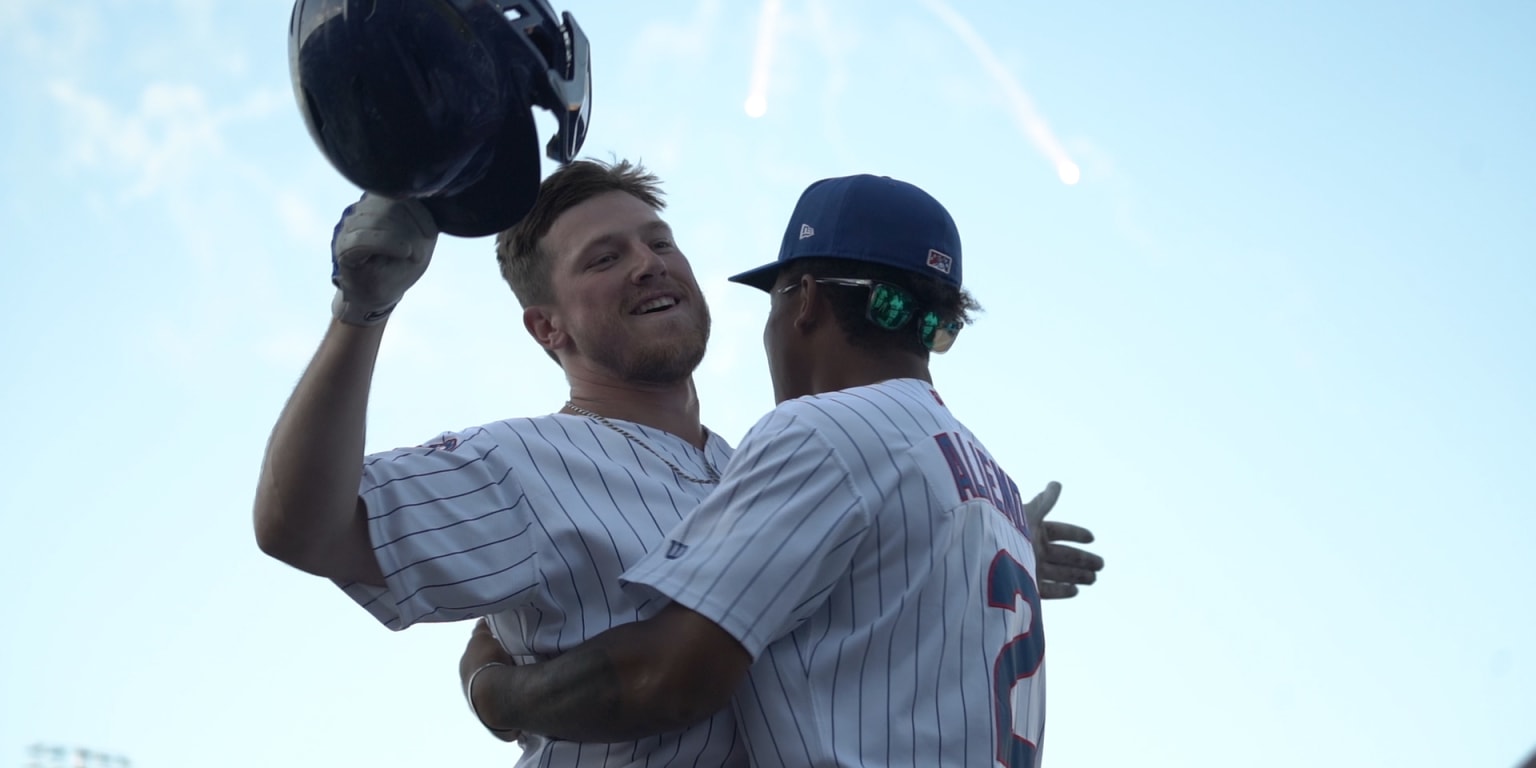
<point>632,681</point>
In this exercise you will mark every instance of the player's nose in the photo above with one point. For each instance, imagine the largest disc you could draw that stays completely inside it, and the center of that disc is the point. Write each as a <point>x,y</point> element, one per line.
<point>648,264</point>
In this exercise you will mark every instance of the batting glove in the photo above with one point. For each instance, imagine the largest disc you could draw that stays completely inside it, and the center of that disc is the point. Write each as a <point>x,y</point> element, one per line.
<point>379,249</point>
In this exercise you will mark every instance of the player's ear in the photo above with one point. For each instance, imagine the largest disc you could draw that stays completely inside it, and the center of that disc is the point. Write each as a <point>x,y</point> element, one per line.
<point>809,304</point>
<point>544,326</point>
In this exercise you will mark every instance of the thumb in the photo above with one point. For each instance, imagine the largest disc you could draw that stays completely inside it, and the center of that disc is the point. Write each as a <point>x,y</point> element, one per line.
<point>1044,501</point>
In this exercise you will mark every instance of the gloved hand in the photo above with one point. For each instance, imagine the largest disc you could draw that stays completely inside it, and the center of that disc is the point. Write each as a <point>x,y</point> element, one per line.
<point>379,249</point>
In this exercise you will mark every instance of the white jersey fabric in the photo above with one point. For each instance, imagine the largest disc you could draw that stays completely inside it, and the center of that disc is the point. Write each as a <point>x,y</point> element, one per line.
<point>531,522</point>
<point>873,559</point>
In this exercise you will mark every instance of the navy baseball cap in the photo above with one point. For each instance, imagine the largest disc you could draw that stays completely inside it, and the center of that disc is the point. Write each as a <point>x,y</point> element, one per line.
<point>867,218</point>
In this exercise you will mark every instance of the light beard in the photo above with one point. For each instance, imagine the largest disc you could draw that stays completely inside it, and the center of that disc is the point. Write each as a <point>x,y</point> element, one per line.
<point>660,361</point>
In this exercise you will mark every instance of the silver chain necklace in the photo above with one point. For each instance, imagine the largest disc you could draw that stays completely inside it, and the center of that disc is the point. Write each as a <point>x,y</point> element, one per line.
<point>714,474</point>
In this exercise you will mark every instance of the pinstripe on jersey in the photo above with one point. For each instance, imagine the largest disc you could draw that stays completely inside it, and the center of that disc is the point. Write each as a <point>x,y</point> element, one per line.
<point>531,522</point>
<point>873,559</point>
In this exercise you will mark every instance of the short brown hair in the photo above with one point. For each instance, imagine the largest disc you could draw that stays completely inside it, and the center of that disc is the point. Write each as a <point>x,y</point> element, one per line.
<point>524,264</point>
<point>950,302</point>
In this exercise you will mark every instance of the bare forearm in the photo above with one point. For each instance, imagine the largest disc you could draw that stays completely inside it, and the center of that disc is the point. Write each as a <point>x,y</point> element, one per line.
<point>627,683</point>
<point>306,499</point>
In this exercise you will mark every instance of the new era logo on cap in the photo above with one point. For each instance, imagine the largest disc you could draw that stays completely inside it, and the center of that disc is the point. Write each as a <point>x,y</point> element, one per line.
<point>806,231</point>
<point>940,261</point>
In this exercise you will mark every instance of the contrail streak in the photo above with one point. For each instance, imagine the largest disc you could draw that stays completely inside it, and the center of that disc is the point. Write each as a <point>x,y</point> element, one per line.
<point>762,61</point>
<point>1019,103</point>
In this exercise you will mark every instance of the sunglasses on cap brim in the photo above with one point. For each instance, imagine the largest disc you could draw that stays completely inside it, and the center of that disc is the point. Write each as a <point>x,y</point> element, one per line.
<point>891,307</point>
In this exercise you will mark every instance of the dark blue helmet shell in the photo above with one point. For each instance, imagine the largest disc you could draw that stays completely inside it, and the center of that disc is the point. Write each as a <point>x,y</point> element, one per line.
<point>432,99</point>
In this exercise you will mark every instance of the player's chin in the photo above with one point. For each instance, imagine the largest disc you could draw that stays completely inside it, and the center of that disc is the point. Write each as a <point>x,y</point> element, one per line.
<point>665,361</point>
<point>685,331</point>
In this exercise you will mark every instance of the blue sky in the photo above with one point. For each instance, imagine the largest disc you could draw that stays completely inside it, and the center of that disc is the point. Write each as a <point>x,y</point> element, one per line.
<point>1276,343</point>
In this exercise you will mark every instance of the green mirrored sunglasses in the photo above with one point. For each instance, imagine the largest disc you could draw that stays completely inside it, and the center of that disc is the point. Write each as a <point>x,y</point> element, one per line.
<point>891,307</point>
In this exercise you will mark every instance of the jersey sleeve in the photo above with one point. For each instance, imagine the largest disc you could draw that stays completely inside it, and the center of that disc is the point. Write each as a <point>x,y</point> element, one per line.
<point>762,552</point>
<point>451,530</point>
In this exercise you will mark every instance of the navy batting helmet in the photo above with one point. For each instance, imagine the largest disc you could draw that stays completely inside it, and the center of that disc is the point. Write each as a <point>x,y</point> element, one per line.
<point>432,99</point>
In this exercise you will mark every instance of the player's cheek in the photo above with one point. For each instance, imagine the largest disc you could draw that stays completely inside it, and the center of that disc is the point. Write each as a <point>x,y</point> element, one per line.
<point>772,344</point>
<point>776,345</point>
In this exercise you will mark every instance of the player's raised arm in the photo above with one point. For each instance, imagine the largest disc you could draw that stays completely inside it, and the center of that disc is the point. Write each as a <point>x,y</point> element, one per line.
<point>307,511</point>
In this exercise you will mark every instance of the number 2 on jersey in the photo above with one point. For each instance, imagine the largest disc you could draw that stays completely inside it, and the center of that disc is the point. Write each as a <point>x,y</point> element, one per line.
<point>1008,582</point>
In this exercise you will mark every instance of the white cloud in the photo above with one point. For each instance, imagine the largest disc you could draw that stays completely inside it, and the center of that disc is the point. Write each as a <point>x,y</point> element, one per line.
<point>221,254</point>
<point>171,135</point>
<point>50,36</point>
<point>159,143</point>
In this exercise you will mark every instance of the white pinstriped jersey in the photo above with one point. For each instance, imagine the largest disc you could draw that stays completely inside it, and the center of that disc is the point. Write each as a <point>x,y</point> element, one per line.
<point>873,558</point>
<point>530,522</point>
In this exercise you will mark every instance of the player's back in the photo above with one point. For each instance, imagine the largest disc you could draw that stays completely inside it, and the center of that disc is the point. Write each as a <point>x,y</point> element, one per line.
<point>927,649</point>
<point>530,521</point>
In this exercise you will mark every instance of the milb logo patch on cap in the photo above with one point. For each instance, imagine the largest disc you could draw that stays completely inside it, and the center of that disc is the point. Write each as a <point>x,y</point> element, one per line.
<point>940,261</point>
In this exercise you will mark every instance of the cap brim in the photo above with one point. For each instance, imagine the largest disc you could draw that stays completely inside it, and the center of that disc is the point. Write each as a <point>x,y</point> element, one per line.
<point>761,278</point>
<point>505,194</point>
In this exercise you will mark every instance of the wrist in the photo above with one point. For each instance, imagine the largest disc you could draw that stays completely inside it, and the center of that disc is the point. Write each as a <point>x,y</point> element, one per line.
<point>352,313</point>
<point>481,698</point>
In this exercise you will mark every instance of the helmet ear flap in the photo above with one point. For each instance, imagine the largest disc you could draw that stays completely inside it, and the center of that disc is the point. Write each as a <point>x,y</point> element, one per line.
<point>565,87</point>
